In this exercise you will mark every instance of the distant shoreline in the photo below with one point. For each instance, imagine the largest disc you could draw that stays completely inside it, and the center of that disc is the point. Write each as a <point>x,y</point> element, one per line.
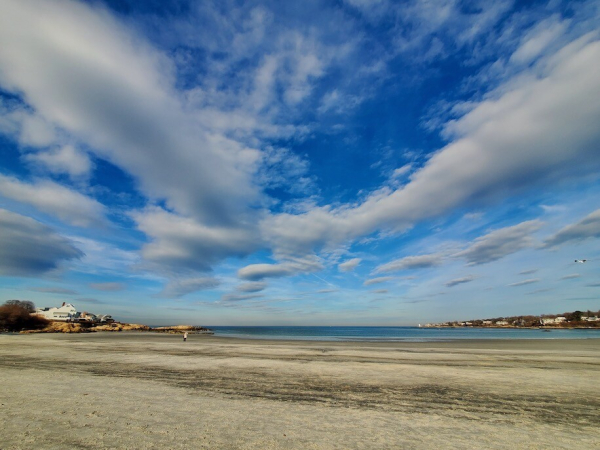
<point>545,327</point>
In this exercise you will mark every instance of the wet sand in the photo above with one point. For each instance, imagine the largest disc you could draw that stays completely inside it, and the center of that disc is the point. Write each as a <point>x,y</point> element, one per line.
<point>143,390</point>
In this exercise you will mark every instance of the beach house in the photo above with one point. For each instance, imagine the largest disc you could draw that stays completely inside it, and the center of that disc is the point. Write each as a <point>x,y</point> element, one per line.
<point>589,319</point>
<point>63,313</point>
<point>553,320</point>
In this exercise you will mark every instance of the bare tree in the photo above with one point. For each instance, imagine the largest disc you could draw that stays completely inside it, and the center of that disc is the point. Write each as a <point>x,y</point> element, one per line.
<point>25,304</point>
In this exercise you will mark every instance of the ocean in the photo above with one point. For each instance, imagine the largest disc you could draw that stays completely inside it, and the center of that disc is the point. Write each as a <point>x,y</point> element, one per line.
<point>391,334</point>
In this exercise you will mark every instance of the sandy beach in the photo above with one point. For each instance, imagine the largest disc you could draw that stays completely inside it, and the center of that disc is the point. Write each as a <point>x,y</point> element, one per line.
<point>143,390</point>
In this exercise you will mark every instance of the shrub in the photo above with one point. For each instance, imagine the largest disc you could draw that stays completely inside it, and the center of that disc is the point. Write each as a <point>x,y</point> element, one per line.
<point>16,317</point>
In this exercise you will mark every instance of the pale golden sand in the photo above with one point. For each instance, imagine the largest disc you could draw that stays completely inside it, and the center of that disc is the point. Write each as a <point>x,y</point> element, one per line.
<point>142,390</point>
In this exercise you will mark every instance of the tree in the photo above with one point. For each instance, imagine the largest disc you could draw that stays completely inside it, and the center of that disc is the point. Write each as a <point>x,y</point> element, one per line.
<point>17,317</point>
<point>25,304</point>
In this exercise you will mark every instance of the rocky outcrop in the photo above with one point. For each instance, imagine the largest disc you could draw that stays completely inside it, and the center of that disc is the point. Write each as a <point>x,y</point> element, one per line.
<point>122,327</point>
<point>178,329</point>
<point>62,327</point>
<point>68,327</point>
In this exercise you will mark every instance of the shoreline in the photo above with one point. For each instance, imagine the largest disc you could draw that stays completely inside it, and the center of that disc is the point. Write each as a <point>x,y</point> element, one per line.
<point>367,342</point>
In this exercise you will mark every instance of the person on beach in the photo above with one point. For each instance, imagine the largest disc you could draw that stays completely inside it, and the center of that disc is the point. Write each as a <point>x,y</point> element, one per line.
<point>185,336</point>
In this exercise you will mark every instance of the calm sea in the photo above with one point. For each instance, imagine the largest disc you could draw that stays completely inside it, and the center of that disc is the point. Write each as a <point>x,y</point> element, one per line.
<point>410,334</point>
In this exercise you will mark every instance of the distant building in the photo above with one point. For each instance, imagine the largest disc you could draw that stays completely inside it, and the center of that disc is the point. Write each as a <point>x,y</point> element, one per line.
<point>552,321</point>
<point>105,318</point>
<point>501,322</point>
<point>63,313</point>
<point>590,319</point>
<point>87,317</point>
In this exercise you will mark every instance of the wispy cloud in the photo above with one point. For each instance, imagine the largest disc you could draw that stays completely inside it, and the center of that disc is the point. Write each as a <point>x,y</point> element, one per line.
<point>570,276</point>
<point>63,160</point>
<point>256,286</point>
<point>350,265</point>
<point>500,243</point>
<point>528,271</point>
<point>290,267</point>
<point>586,228</point>
<point>239,297</point>
<point>110,286</point>
<point>93,301</point>
<point>54,290</point>
<point>412,262</point>
<point>458,281</point>
<point>56,200</point>
<point>377,280</point>
<point>179,287</point>
<point>525,282</point>
<point>380,291</point>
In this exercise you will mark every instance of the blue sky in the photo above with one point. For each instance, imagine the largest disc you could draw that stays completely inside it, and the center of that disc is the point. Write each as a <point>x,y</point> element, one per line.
<point>300,163</point>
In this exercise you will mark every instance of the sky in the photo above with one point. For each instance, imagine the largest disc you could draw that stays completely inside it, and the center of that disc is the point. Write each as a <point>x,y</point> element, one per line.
<point>347,162</point>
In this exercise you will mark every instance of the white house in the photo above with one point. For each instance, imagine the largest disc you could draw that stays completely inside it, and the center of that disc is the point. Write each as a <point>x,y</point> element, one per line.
<point>550,321</point>
<point>589,318</point>
<point>62,313</point>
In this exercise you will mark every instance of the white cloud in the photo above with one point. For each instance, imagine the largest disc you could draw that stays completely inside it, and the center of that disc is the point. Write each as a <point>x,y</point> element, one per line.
<point>29,248</point>
<point>380,291</point>
<point>66,159</point>
<point>327,291</point>
<point>500,243</point>
<point>92,301</point>
<point>588,227</point>
<point>109,286</point>
<point>458,281</point>
<point>176,288</point>
<point>281,168</point>
<point>350,265</point>
<point>54,290</point>
<point>525,282</point>
<point>528,271</point>
<point>420,25</point>
<point>56,200</point>
<point>377,280</point>
<point>256,286</point>
<point>237,297</point>
<point>28,128</point>
<point>538,39</point>
<point>181,244</point>
<point>412,262</point>
<point>260,271</point>
<point>402,171</point>
<point>570,276</point>
<point>295,266</point>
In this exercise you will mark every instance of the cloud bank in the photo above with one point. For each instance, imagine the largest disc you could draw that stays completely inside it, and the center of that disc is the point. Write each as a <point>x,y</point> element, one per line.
<point>29,248</point>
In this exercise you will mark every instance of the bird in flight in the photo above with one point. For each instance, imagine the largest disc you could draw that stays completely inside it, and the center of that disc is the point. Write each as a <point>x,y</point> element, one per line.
<point>581,261</point>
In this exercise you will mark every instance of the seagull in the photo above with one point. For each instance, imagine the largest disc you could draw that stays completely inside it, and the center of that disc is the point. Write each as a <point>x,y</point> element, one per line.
<point>581,261</point>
